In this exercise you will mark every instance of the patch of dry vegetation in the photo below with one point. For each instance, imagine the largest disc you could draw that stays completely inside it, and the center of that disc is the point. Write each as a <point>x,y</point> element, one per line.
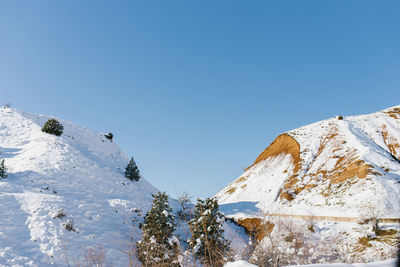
<point>393,113</point>
<point>391,142</point>
<point>256,227</point>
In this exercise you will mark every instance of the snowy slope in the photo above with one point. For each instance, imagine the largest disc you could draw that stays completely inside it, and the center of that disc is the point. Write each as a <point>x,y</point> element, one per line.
<point>337,167</point>
<point>311,195</point>
<point>81,173</point>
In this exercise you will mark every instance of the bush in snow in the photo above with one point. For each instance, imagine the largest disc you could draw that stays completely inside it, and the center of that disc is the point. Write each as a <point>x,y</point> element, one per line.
<point>109,136</point>
<point>132,171</point>
<point>52,126</point>
<point>69,226</point>
<point>60,214</point>
<point>158,246</point>
<point>207,240</point>
<point>3,169</point>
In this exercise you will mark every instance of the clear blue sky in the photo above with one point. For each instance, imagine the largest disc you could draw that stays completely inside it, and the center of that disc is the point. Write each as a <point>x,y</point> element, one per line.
<point>195,90</point>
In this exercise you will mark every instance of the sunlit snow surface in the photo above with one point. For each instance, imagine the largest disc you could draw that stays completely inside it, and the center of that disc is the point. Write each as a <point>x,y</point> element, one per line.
<point>256,191</point>
<point>80,172</point>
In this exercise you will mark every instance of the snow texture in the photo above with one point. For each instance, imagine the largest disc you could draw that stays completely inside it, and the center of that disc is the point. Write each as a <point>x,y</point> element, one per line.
<point>372,138</point>
<point>81,173</point>
<point>73,181</point>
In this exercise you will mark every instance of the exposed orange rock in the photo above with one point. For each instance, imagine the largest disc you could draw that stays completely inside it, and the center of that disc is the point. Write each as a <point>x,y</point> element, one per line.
<point>256,227</point>
<point>347,167</point>
<point>286,195</point>
<point>324,141</point>
<point>391,142</point>
<point>231,190</point>
<point>283,144</point>
<point>240,179</point>
<point>394,113</point>
<point>290,184</point>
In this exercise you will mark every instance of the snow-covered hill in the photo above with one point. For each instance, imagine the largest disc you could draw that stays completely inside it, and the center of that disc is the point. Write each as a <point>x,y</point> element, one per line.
<point>79,174</point>
<point>335,167</point>
<point>342,168</point>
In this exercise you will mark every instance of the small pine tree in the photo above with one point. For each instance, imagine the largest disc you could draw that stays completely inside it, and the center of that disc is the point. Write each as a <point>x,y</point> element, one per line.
<point>3,169</point>
<point>132,171</point>
<point>52,126</point>
<point>207,239</point>
<point>158,245</point>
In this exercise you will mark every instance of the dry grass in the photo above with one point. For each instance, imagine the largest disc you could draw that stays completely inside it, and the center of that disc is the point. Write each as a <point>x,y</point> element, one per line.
<point>390,237</point>
<point>364,241</point>
<point>231,190</point>
<point>391,142</point>
<point>240,179</point>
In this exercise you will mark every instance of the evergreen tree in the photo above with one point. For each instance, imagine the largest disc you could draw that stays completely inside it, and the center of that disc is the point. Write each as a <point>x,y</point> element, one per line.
<point>207,239</point>
<point>132,171</point>
<point>158,246</point>
<point>52,126</point>
<point>3,169</point>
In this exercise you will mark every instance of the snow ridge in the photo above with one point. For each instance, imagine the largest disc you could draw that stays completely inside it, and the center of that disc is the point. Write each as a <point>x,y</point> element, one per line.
<point>348,167</point>
<point>80,173</point>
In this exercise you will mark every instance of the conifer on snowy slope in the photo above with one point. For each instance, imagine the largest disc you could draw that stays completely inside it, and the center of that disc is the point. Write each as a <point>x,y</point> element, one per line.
<point>80,172</point>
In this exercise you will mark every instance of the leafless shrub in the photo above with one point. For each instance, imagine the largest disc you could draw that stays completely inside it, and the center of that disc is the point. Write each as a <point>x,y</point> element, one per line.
<point>69,226</point>
<point>291,243</point>
<point>89,257</point>
<point>372,215</point>
<point>94,257</point>
<point>186,214</point>
<point>60,214</point>
<point>128,246</point>
<point>343,251</point>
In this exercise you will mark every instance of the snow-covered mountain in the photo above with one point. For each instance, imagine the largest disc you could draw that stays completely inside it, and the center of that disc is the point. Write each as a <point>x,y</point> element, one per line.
<point>336,170</point>
<point>76,179</point>
<point>336,167</point>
